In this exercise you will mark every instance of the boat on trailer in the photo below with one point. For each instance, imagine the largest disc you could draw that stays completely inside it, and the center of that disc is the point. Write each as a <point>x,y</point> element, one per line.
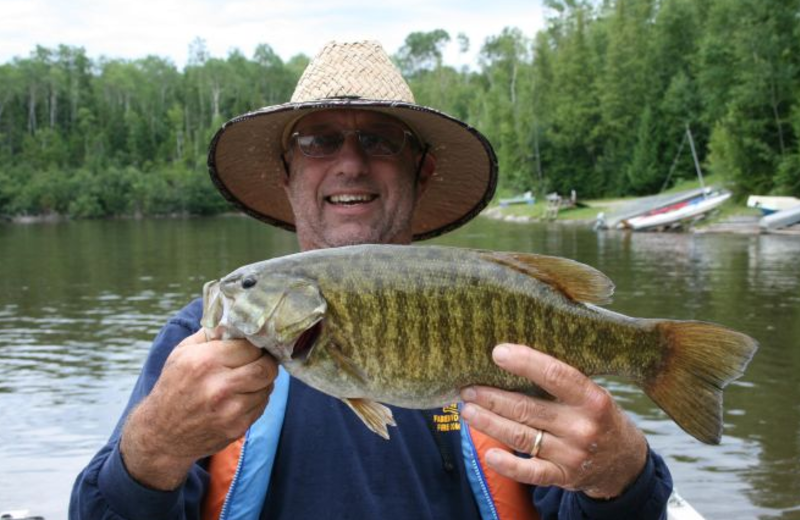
<point>642,205</point>
<point>678,213</point>
<point>670,210</point>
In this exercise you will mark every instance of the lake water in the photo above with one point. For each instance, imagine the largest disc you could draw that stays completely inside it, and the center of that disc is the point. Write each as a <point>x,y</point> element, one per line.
<point>81,301</point>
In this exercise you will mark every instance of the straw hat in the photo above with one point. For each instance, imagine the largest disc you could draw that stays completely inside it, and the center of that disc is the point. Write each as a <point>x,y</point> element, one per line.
<point>244,159</point>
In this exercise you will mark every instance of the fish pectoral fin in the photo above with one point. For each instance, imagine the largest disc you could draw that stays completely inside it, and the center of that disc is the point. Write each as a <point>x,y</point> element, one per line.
<point>346,364</point>
<point>376,416</point>
<point>577,281</point>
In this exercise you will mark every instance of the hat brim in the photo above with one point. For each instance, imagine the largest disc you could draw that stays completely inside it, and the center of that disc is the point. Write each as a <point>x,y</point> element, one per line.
<point>245,163</point>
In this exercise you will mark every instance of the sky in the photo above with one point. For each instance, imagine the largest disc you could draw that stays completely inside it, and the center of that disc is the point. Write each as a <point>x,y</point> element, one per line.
<point>166,28</point>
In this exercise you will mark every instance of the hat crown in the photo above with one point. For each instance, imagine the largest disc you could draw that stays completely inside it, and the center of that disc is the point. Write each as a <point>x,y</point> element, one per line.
<point>354,70</point>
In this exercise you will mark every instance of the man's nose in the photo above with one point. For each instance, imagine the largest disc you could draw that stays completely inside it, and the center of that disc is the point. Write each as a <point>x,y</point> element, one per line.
<point>352,158</point>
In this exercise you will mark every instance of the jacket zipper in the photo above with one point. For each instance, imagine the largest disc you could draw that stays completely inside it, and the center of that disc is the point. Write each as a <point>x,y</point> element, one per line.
<point>475,463</point>
<point>224,512</point>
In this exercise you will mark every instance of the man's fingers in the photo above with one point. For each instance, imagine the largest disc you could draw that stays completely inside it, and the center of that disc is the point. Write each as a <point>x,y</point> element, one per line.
<point>231,353</point>
<point>259,401</point>
<point>255,376</point>
<point>519,437</point>
<point>558,379</point>
<point>536,472</point>
<point>520,408</point>
<point>237,352</point>
<point>196,338</point>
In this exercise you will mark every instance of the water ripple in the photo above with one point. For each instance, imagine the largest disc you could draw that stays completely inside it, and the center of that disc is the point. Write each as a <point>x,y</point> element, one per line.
<point>74,333</point>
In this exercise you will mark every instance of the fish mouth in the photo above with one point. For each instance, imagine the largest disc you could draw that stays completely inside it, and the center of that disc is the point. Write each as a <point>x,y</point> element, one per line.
<point>305,343</point>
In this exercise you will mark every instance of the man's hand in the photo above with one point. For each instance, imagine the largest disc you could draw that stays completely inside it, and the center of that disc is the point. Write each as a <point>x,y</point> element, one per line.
<point>589,444</point>
<point>208,394</point>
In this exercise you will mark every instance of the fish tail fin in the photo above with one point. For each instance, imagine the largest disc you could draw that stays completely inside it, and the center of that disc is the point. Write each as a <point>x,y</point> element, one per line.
<point>701,359</point>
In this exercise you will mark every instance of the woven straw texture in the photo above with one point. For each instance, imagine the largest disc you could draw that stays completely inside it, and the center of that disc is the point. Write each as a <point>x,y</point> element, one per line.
<point>354,70</point>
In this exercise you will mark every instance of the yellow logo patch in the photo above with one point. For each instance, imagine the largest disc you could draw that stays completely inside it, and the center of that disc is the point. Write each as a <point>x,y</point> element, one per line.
<point>448,420</point>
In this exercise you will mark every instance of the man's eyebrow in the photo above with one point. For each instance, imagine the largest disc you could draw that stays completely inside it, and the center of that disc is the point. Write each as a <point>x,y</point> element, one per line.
<point>365,124</point>
<point>315,127</point>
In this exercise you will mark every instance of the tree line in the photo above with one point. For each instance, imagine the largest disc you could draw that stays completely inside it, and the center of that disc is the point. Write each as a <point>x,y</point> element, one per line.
<point>598,101</point>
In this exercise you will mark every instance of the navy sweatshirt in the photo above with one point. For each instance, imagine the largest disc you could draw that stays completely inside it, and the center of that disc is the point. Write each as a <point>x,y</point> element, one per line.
<point>329,465</point>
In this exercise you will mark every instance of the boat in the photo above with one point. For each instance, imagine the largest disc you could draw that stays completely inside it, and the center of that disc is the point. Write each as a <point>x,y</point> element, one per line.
<point>525,198</point>
<point>680,509</point>
<point>769,205</point>
<point>671,210</point>
<point>644,205</point>
<point>21,514</point>
<point>679,212</point>
<point>677,509</point>
<point>780,219</point>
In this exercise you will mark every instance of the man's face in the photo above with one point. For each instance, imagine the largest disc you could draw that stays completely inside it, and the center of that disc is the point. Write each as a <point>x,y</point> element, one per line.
<point>350,197</point>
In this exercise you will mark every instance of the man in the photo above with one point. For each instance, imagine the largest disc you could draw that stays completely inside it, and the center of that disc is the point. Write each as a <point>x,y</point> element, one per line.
<point>213,428</point>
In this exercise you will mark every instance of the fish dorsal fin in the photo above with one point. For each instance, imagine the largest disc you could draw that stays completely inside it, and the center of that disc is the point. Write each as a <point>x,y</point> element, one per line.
<point>577,281</point>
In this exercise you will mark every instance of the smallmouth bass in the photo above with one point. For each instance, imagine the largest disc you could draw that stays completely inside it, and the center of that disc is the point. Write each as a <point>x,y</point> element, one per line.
<point>412,325</point>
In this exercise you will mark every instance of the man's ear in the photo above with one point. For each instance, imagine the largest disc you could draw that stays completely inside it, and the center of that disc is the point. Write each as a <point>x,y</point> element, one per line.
<point>426,171</point>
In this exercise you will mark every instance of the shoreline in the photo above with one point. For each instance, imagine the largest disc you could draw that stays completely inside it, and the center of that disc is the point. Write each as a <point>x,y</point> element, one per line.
<point>736,224</point>
<point>55,218</point>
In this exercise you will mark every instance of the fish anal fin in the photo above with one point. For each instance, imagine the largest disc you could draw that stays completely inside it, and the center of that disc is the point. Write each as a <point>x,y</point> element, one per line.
<point>376,416</point>
<point>577,281</point>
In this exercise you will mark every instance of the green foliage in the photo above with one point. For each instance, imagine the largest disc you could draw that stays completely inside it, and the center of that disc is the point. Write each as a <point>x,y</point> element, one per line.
<point>120,137</point>
<point>749,81</point>
<point>422,51</point>
<point>598,102</point>
<point>788,178</point>
<point>644,175</point>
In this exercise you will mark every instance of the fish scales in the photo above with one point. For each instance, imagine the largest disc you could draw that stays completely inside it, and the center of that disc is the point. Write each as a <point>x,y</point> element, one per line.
<point>412,325</point>
<point>456,289</point>
<point>397,294</point>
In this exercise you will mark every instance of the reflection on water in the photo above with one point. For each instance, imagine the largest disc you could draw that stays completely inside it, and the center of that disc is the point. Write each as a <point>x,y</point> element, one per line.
<point>80,302</point>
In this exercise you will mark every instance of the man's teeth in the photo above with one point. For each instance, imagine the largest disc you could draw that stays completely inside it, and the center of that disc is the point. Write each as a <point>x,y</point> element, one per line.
<point>351,199</point>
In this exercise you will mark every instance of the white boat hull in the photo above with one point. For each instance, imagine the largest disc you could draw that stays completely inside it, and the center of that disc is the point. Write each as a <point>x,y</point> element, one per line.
<point>781,219</point>
<point>769,204</point>
<point>680,509</point>
<point>692,209</point>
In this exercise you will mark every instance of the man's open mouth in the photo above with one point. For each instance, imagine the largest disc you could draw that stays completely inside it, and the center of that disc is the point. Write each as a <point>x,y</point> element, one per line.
<point>351,199</point>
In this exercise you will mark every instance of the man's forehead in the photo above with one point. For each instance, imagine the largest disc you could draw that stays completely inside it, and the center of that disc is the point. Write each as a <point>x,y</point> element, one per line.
<point>345,117</point>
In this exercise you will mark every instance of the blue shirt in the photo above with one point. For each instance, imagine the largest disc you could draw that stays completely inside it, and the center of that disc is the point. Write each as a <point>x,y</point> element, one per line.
<point>329,465</point>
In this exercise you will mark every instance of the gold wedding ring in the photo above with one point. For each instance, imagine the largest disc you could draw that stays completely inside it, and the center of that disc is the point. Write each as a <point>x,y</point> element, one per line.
<point>537,444</point>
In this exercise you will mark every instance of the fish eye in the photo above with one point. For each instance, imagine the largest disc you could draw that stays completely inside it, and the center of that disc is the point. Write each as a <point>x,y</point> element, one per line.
<point>248,282</point>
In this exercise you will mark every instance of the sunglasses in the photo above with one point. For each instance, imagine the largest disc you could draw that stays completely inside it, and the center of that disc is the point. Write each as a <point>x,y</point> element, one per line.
<point>376,141</point>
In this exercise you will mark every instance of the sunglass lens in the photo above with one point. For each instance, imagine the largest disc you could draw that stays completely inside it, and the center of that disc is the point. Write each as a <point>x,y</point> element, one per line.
<point>320,144</point>
<point>380,140</point>
<point>385,140</point>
